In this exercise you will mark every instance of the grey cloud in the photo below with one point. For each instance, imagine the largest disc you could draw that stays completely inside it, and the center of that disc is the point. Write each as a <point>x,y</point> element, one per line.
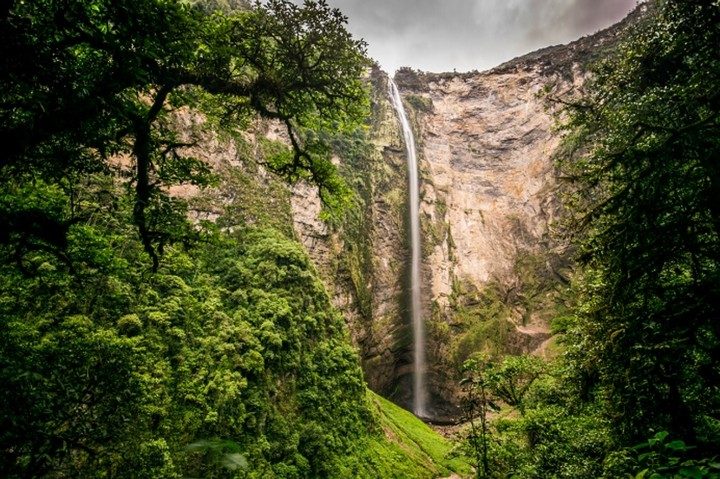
<point>442,35</point>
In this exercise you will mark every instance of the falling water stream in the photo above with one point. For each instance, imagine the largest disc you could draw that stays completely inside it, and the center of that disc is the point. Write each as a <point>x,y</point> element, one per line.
<point>419,391</point>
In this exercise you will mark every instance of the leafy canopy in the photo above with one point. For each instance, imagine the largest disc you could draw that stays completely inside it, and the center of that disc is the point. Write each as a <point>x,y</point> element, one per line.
<point>88,84</point>
<point>645,144</point>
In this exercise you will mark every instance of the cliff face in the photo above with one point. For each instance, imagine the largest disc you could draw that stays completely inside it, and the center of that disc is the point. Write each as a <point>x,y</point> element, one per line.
<point>485,148</point>
<point>488,201</point>
<point>364,259</point>
<point>492,270</point>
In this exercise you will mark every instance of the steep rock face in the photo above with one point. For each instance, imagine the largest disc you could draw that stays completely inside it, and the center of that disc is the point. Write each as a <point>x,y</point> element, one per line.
<point>365,269</point>
<point>491,267</point>
<point>485,149</point>
<point>486,145</point>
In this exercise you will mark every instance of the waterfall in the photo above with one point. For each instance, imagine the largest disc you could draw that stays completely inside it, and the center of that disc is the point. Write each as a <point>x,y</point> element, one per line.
<point>419,391</point>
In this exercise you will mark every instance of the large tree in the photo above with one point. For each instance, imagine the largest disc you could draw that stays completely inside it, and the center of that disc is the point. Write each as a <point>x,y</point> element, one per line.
<point>646,198</point>
<point>87,81</point>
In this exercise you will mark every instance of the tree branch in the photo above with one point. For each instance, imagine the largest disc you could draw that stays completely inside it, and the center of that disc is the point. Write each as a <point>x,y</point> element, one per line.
<point>142,149</point>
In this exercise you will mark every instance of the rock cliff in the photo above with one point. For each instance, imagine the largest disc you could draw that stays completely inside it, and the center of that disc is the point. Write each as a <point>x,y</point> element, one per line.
<point>492,269</point>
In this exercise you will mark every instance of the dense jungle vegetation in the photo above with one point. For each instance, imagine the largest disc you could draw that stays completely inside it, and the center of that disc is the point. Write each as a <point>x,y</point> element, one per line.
<point>135,343</point>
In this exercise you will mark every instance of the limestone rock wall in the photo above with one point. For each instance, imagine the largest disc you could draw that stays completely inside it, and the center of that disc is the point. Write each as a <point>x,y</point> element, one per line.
<point>485,146</point>
<point>492,269</point>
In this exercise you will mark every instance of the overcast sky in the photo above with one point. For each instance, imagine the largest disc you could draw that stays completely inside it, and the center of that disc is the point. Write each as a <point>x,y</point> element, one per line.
<point>442,35</point>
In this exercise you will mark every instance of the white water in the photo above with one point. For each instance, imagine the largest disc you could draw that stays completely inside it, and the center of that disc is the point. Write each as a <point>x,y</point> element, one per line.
<point>419,391</point>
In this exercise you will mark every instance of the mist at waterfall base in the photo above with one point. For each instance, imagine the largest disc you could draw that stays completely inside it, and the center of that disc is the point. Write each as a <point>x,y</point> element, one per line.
<point>418,327</point>
<point>464,35</point>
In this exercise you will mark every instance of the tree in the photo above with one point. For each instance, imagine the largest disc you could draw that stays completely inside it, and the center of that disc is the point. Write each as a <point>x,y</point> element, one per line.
<point>86,82</point>
<point>644,160</point>
<point>511,379</point>
<point>661,458</point>
<point>476,404</point>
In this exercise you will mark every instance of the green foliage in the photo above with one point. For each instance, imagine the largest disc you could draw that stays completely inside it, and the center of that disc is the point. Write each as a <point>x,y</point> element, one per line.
<point>553,436</point>
<point>109,368</point>
<point>257,200</point>
<point>477,403</point>
<point>538,288</point>
<point>230,362</point>
<point>551,442</point>
<point>86,84</point>
<point>645,199</point>
<point>356,223</point>
<point>482,323</point>
<point>404,447</point>
<point>663,459</point>
<point>497,445</point>
<point>226,452</point>
<point>225,6</point>
<point>512,377</point>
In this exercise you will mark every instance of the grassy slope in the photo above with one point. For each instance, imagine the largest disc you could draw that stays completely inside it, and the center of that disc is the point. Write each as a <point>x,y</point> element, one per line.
<point>406,448</point>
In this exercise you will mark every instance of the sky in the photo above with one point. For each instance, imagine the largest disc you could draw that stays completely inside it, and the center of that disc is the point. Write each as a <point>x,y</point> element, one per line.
<point>463,35</point>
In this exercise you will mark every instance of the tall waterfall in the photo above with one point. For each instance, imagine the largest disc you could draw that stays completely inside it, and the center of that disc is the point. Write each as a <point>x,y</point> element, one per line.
<point>419,390</point>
